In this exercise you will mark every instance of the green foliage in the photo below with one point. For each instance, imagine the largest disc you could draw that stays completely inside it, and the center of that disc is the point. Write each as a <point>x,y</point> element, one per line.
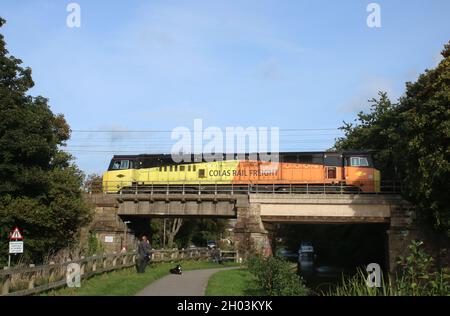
<point>93,183</point>
<point>40,186</point>
<point>94,247</point>
<point>276,276</point>
<point>192,231</point>
<point>199,231</point>
<point>412,141</point>
<point>416,277</point>
<point>376,131</point>
<point>356,286</point>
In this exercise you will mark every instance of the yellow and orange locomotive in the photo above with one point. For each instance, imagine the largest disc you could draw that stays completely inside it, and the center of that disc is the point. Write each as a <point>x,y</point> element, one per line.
<point>350,169</point>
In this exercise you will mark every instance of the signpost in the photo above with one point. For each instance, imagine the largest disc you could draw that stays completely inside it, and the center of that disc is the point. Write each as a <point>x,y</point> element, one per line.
<point>15,244</point>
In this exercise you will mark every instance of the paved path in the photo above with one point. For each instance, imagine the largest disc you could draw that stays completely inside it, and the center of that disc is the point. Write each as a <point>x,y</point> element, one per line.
<point>190,283</point>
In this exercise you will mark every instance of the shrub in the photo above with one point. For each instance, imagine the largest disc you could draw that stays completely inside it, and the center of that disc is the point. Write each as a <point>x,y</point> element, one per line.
<point>276,276</point>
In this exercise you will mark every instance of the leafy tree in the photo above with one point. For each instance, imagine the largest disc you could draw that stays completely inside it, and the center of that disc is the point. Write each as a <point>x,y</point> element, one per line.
<point>199,231</point>
<point>377,131</point>
<point>39,185</point>
<point>191,231</point>
<point>412,140</point>
<point>93,183</point>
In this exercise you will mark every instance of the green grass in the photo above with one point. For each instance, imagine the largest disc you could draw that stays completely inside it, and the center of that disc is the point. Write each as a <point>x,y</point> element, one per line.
<point>127,282</point>
<point>238,282</point>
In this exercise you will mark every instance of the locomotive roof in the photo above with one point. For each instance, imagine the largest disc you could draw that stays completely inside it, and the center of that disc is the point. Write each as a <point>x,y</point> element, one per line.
<point>344,152</point>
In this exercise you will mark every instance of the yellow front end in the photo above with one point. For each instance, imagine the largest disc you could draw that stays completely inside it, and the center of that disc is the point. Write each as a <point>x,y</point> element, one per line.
<point>377,179</point>
<point>115,180</point>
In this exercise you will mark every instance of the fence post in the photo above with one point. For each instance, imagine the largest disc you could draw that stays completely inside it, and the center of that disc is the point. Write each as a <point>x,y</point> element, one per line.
<point>6,284</point>
<point>82,267</point>
<point>32,278</point>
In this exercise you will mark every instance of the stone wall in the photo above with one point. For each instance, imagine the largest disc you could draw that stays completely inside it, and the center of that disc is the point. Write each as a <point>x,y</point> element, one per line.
<point>251,237</point>
<point>403,229</point>
<point>108,227</point>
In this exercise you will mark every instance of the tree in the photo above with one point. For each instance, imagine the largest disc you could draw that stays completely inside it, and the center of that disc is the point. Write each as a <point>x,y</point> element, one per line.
<point>174,226</point>
<point>423,144</point>
<point>40,187</point>
<point>93,183</point>
<point>412,140</point>
<point>199,231</point>
<point>377,131</point>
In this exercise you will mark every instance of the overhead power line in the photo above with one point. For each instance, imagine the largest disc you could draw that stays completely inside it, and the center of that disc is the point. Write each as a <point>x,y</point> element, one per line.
<point>170,131</point>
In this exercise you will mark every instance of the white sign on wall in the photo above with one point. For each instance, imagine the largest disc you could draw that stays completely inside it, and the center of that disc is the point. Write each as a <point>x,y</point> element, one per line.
<point>16,247</point>
<point>109,238</point>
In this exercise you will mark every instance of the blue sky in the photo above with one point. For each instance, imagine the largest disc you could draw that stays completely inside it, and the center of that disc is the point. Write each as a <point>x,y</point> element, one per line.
<point>156,65</point>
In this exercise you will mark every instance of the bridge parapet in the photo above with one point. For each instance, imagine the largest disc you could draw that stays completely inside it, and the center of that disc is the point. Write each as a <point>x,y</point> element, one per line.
<point>326,208</point>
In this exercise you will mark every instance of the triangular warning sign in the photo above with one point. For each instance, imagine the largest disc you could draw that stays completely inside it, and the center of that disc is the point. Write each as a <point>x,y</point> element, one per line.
<point>16,234</point>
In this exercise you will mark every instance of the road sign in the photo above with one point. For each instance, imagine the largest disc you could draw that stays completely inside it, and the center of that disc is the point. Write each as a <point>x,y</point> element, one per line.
<point>16,247</point>
<point>16,234</point>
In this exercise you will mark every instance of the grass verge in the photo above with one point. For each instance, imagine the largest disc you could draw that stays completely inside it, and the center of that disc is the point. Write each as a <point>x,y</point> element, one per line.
<point>238,282</point>
<point>127,282</point>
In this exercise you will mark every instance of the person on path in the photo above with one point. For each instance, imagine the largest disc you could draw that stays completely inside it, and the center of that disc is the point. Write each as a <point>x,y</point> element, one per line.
<point>143,254</point>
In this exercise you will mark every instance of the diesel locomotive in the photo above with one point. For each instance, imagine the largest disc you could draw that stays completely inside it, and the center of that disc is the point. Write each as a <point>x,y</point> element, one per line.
<point>349,169</point>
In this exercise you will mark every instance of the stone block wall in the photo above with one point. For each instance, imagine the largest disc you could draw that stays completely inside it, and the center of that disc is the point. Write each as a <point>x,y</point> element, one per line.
<point>251,237</point>
<point>108,227</point>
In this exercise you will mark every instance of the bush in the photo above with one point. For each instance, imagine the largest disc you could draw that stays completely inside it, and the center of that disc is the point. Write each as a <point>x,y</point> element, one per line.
<point>276,276</point>
<point>418,276</point>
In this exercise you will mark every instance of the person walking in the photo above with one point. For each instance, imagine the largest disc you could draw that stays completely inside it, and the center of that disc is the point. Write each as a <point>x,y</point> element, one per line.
<point>143,254</point>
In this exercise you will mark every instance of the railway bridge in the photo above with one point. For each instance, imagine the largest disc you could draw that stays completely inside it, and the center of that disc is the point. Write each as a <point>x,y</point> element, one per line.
<point>257,214</point>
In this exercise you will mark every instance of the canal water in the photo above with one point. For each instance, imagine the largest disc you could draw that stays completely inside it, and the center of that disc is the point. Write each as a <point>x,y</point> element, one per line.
<point>339,250</point>
<point>320,278</point>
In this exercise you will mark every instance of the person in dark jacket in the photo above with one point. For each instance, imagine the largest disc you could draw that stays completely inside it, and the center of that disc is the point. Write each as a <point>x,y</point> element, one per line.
<point>143,254</point>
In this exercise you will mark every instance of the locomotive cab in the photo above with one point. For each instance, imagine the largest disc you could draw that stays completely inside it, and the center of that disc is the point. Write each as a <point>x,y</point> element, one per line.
<point>359,171</point>
<point>122,172</point>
